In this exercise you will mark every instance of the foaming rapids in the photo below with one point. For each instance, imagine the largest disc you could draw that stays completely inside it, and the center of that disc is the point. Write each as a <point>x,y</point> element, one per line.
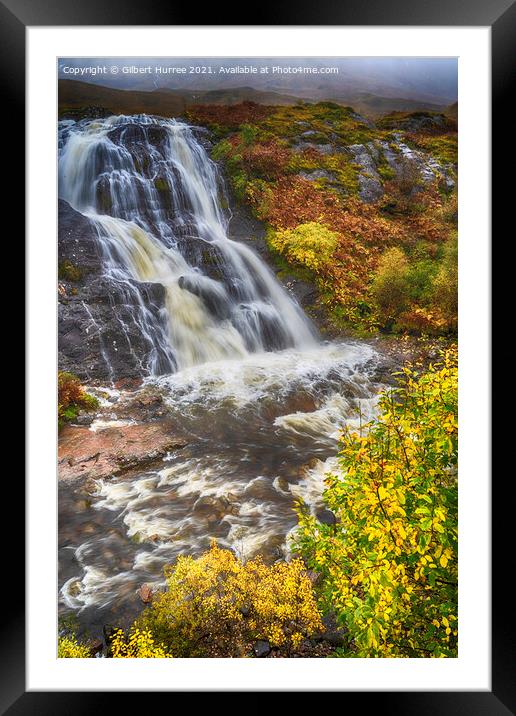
<point>262,431</point>
<point>153,194</point>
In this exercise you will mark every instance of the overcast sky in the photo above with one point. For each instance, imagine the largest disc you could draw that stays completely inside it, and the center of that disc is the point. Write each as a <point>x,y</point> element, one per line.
<point>433,79</point>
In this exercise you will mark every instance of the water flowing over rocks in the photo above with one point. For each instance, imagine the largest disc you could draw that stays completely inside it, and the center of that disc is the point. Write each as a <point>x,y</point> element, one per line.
<point>99,335</point>
<point>169,290</point>
<point>219,404</point>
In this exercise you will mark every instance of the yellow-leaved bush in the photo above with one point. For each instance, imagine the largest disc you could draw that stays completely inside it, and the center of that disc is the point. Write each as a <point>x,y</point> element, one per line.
<point>137,644</point>
<point>69,648</point>
<point>311,245</point>
<point>389,565</point>
<point>217,605</point>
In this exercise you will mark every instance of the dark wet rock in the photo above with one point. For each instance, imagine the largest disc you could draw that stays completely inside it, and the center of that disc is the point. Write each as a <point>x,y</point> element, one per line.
<point>109,631</point>
<point>332,633</point>
<point>213,509</point>
<point>88,112</point>
<point>203,135</point>
<point>261,648</point>
<point>211,506</point>
<point>244,228</point>
<point>211,292</point>
<point>326,517</point>
<point>421,122</point>
<point>337,637</point>
<point>132,136</point>
<point>99,335</point>
<point>314,577</point>
<point>84,419</point>
<point>261,488</point>
<point>310,465</point>
<point>77,240</point>
<point>205,255</point>
<point>82,505</point>
<point>282,484</point>
<point>273,548</point>
<point>96,647</point>
<point>305,293</point>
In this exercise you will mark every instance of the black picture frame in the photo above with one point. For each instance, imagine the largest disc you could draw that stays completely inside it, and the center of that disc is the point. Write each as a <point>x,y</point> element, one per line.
<point>499,15</point>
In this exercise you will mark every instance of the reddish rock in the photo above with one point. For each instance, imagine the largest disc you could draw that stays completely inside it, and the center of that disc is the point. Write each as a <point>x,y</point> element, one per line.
<point>301,402</point>
<point>128,383</point>
<point>145,593</point>
<point>83,453</point>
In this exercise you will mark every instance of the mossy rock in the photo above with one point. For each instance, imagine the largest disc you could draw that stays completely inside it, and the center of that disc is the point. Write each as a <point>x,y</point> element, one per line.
<point>67,271</point>
<point>161,185</point>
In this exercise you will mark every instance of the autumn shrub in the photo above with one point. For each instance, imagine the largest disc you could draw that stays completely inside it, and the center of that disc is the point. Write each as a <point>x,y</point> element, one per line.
<point>136,644</point>
<point>227,117</point>
<point>390,287</point>
<point>443,147</point>
<point>222,150</point>
<point>68,647</point>
<point>71,397</point>
<point>267,160</point>
<point>311,245</point>
<point>249,134</point>
<point>389,565</point>
<point>446,285</point>
<point>216,605</point>
<point>421,320</point>
<point>421,276</point>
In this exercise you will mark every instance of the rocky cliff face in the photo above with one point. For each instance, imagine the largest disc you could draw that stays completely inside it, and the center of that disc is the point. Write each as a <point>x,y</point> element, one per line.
<point>98,336</point>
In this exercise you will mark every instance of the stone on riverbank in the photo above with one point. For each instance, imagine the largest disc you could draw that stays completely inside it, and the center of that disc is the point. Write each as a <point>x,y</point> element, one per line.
<point>115,450</point>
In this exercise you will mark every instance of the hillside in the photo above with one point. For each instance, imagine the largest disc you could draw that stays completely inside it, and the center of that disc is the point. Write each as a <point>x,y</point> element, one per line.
<point>365,211</point>
<point>75,94</point>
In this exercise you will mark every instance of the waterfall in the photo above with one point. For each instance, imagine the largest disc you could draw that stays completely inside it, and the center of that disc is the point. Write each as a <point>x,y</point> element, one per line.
<point>150,189</point>
<point>237,365</point>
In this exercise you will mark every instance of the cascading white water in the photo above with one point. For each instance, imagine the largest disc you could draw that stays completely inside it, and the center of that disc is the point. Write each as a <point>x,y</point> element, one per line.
<point>153,194</point>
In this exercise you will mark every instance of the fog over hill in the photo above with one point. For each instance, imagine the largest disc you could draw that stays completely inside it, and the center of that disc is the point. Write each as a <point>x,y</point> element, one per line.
<point>421,81</point>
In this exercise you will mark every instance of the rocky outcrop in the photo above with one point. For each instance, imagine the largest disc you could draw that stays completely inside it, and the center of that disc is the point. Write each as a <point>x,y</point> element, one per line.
<point>397,155</point>
<point>100,336</point>
<point>114,450</point>
<point>419,122</point>
<point>366,158</point>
